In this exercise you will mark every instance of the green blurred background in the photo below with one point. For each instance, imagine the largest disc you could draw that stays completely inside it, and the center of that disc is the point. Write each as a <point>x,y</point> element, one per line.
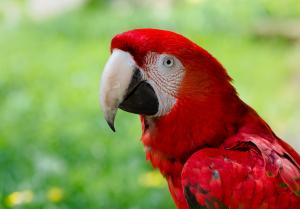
<point>56,151</point>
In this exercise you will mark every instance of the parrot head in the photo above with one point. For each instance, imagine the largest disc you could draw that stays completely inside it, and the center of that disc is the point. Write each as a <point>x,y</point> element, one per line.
<point>149,70</point>
<point>177,87</point>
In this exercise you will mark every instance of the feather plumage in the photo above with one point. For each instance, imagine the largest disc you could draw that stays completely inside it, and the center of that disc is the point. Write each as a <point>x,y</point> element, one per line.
<point>214,150</point>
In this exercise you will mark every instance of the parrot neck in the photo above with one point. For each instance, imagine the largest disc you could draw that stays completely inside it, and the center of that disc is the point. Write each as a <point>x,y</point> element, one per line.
<point>192,125</point>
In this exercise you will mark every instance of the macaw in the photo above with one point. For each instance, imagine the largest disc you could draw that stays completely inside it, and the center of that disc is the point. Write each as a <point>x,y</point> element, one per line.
<point>213,149</point>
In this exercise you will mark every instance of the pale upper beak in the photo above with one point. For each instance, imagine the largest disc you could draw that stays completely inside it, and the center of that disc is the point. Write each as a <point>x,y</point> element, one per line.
<point>122,86</point>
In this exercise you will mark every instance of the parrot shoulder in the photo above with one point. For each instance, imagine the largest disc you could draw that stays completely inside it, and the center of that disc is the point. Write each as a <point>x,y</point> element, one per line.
<point>279,158</point>
<point>250,171</point>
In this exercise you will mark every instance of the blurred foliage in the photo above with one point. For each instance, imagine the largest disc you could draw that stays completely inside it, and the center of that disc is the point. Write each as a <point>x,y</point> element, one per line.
<point>288,8</point>
<point>56,151</point>
<point>97,3</point>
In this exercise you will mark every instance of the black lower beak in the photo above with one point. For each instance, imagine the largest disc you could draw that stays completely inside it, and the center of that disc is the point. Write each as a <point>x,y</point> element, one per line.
<point>140,97</point>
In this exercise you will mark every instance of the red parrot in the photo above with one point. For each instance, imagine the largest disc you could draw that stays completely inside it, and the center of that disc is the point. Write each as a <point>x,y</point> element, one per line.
<point>214,150</point>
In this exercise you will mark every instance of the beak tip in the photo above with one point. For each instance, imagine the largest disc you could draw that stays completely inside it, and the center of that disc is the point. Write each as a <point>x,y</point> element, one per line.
<point>111,125</point>
<point>110,119</point>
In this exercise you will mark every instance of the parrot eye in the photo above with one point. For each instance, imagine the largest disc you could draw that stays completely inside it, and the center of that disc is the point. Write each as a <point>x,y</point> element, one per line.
<point>168,62</point>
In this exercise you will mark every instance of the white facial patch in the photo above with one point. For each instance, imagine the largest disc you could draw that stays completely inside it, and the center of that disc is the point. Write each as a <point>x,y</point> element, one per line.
<point>115,80</point>
<point>164,72</point>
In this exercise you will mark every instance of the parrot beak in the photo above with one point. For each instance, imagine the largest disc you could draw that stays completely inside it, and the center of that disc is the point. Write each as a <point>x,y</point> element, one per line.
<point>122,86</point>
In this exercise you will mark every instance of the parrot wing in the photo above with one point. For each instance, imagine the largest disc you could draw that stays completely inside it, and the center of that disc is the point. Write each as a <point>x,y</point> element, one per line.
<point>248,173</point>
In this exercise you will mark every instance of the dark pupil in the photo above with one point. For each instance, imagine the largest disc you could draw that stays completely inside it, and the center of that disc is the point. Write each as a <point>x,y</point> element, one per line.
<point>168,62</point>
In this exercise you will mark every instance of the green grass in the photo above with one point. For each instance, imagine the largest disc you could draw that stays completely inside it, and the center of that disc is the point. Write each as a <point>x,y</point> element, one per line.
<point>52,132</point>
